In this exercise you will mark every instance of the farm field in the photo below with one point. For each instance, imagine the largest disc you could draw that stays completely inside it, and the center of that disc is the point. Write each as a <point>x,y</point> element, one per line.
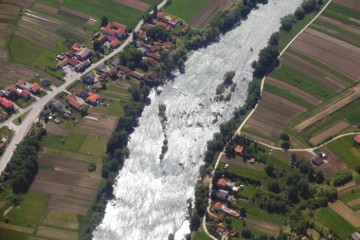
<point>318,73</point>
<point>185,9</point>
<point>345,149</point>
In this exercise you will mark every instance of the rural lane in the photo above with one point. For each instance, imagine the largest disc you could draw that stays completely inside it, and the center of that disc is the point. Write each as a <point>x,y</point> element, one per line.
<point>35,109</point>
<point>238,131</point>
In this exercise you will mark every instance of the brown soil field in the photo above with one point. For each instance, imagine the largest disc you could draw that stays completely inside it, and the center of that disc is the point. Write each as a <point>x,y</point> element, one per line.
<point>263,227</point>
<point>333,163</point>
<point>45,8</point>
<point>8,11</point>
<point>68,204</point>
<point>39,21</point>
<point>211,8</point>
<point>336,53</point>
<point>327,111</point>
<point>292,89</point>
<point>56,129</point>
<point>5,31</point>
<point>101,125</point>
<point>353,202</point>
<point>272,114</point>
<point>332,131</point>
<point>351,28</point>
<point>13,72</point>
<point>21,3</point>
<point>329,80</point>
<point>75,15</point>
<point>139,5</point>
<point>81,193</point>
<point>55,233</point>
<point>64,165</point>
<point>347,188</point>
<point>69,156</point>
<point>49,187</point>
<point>347,213</point>
<point>353,4</point>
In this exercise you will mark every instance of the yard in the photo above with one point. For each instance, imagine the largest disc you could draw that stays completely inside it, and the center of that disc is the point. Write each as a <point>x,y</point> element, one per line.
<point>185,9</point>
<point>345,149</point>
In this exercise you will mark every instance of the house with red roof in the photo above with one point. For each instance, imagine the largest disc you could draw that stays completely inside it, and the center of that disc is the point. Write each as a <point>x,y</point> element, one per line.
<point>35,88</point>
<point>114,43</point>
<point>212,216</point>
<point>25,94</point>
<point>239,149</point>
<point>124,69</point>
<point>115,29</point>
<point>93,99</point>
<point>222,182</point>
<point>72,62</point>
<point>155,56</point>
<point>185,29</point>
<point>161,16</point>
<point>357,139</point>
<point>71,99</point>
<point>161,24</point>
<point>6,104</point>
<point>136,75</point>
<point>217,206</point>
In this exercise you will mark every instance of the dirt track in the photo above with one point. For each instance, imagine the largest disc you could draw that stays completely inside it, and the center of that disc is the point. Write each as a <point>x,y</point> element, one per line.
<point>211,8</point>
<point>329,132</point>
<point>294,90</point>
<point>338,54</point>
<point>327,111</point>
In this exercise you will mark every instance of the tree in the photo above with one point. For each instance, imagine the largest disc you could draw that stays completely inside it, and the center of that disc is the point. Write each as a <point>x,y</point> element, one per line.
<point>284,136</point>
<point>274,186</point>
<point>299,13</point>
<point>135,93</point>
<point>19,120</point>
<point>286,23</point>
<point>195,222</point>
<point>96,45</point>
<point>104,21</point>
<point>171,236</point>
<point>228,77</point>
<point>246,233</point>
<point>243,212</point>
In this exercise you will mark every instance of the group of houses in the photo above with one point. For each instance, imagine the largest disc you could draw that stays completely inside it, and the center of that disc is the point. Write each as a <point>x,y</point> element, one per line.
<point>111,35</point>
<point>21,90</point>
<point>77,58</point>
<point>220,209</point>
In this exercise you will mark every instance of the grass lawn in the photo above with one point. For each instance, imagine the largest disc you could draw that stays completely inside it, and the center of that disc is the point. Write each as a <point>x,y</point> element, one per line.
<point>345,149</point>
<point>185,9</point>
<point>350,196</point>
<point>112,10</point>
<point>302,81</point>
<point>17,120</point>
<point>31,210</point>
<point>10,235</point>
<point>249,191</point>
<point>94,146</point>
<point>72,143</point>
<point>354,117</point>
<point>333,221</point>
<point>6,132</point>
<point>251,131</point>
<point>249,173</point>
<point>66,155</point>
<point>24,51</point>
<point>200,234</point>
<point>287,95</point>
<point>62,219</point>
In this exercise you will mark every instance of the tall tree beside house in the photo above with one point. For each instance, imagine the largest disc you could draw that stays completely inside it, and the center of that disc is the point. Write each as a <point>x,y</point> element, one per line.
<point>104,21</point>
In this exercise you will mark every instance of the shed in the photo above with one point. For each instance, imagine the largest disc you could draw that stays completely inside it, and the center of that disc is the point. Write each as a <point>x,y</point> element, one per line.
<point>357,139</point>
<point>223,195</point>
<point>317,160</point>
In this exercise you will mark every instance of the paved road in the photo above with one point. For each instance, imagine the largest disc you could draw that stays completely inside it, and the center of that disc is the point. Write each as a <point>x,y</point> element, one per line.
<point>35,109</point>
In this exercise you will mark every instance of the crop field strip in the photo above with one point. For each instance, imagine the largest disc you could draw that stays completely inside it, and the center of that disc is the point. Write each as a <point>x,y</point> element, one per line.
<point>8,11</point>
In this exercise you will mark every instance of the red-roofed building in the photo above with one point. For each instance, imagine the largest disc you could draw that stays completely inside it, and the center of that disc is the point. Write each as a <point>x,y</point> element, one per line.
<point>6,104</point>
<point>114,43</point>
<point>222,182</point>
<point>168,28</point>
<point>153,75</point>
<point>221,228</point>
<point>357,139</point>
<point>142,35</point>
<point>35,88</point>
<point>167,44</point>
<point>155,56</point>
<point>174,21</point>
<point>217,206</point>
<point>152,62</point>
<point>115,29</point>
<point>124,69</point>
<point>160,16</point>
<point>93,99</point>
<point>212,216</point>
<point>147,26</point>
<point>81,93</point>
<point>25,94</point>
<point>136,75</point>
<point>185,29</point>
<point>68,62</point>
<point>161,24</point>
<point>239,149</point>
<point>71,99</point>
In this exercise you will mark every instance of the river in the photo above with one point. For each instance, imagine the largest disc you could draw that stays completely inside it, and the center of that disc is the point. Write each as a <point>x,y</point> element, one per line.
<point>151,194</point>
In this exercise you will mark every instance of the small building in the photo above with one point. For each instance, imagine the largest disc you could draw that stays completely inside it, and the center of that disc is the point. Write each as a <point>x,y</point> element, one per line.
<point>114,43</point>
<point>355,236</point>
<point>222,183</point>
<point>81,93</point>
<point>58,107</point>
<point>174,21</point>
<point>89,80</point>
<point>357,139</point>
<point>115,29</point>
<point>212,216</point>
<point>68,62</point>
<point>35,88</point>
<point>223,195</point>
<point>101,68</point>
<point>317,160</point>
<point>45,82</point>
<point>221,228</point>
<point>82,66</point>
<point>239,149</point>
<point>93,99</point>
<point>25,94</point>
<point>185,29</point>
<point>217,206</point>
<point>6,104</point>
<point>124,69</point>
<point>161,24</point>
<point>71,99</point>
<point>116,62</point>
<point>137,75</point>
<point>83,54</point>
<point>154,56</point>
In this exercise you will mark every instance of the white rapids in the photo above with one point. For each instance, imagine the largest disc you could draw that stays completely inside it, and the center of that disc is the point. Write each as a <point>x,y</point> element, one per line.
<point>151,194</point>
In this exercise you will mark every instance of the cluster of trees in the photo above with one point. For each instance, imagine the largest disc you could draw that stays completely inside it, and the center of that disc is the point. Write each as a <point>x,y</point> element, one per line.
<point>251,149</point>
<point>285,141</point>
<point>117,152</point>
<point>342,178</point>
<point>132,58</point>
<point>22,168</point>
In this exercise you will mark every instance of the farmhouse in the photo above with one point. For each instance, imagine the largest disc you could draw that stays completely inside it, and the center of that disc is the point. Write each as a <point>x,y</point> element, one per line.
<point>88,79</point>
<point>93,99</point>
<point>136,75</point>
<point>317,160</point>
<point>6,104</point>
<point>223,195</point>
<point>82,66</point>
<point>115,29</point>
<point>35,88</point>
<point>239,149</point>
<point>68,62</point>
<point>71,99</point>
<point>83,54</point>
<point>357,139</point>
<point>58,107</point>
<point>222,183</point>
<point>45,82</point>
<point>124,69</point>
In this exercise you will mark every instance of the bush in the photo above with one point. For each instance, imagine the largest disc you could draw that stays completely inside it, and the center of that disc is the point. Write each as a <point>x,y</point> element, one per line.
<point>342,178</point>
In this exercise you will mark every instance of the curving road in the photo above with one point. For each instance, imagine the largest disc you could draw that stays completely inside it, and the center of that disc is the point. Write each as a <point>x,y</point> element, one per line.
<point>36,108</point>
